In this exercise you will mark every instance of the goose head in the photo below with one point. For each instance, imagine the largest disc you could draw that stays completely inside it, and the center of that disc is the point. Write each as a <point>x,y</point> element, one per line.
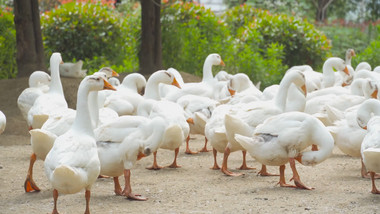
<point>363,66</point>
<point>328,70</point>
<point>109,72</point>
<point>349,54</point>
<point>223,76</point>
<point>39,78</point>
<point>214,59</point>
<point>162,76</point>
<point>366,111</point>
<point>115,82</point>
<point>98,82</point>
<point>240,82</point>
<point>297,78</point>
<point>135,82</point>
<point>56,59</point>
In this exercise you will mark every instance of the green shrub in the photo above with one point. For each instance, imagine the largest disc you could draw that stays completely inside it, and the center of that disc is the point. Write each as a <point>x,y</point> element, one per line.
<point>8,66</point>
<point>189,34</point>
<point>343,38</point>
<point>302,42</point>
<point>370,55</point>
<point>265,66</point>
<point>91,32</point>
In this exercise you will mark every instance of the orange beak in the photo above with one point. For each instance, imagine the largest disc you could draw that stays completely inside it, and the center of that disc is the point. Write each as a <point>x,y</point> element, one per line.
<point>140,155</point>
<point>353,53</point>
<point>374,94</point>
<point>232,92</point>
<point>222,63</point>
<point>365,127</point>
<point>175,83</point>
<point>108,86</point>
<point>114,73</point>
<point>190,120</point>
<point>304,89</point>
<point>346,71</point>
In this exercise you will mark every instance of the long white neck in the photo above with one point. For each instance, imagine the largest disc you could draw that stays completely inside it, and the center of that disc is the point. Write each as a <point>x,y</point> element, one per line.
<point>328,73</point>
<point>55,84</point>
<point>369,108</point>
<point>282,93</point>
<point>207,70</point>
<point>321,137</point>
<point>152,90</point>
<point>93,108</point>
<point>82,120</point>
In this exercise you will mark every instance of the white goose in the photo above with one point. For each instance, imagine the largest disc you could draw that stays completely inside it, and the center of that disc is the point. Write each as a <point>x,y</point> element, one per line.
<point>39,82</point>
<point>243,90</point>
<point>3,122</point>
<point>74,70</point>
<point>361,90</point>
<point>208,87</point>
<point>73,163</point>
<point>253,113</point>
<point>349,54</point>
<point>50,102</point>
<point>331,78</point>
<point>363,66</point>
<point>128,140</point>
<point>198,110</point>
<point>178,129</point>
<point>347,133</point>
<point>283,138</point>
<point>59,123</point>
<point>370,150</point>
<point>128,95</point>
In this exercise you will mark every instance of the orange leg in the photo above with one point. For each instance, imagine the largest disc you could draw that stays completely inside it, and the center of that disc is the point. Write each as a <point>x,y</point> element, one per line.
<point>374,189</point>
<point>224,164</point>
<point>118,190</point>
<point>55,197</point>
<point>264,172</point>
<point>366,174</point>
<point>214,153</point>
<point>204,149</point>
<point>296,177</point>
<point>87,195</point>
<point>155,166</point>
<point>29,184</point>
<point>174,164</point>
<point>128,190</point>
<point>244,164</point>
<point>188,151</point>
<point>282,181</point>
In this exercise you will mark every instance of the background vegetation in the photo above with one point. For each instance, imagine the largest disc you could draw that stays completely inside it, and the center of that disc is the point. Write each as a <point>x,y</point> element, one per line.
<point>262,43</point>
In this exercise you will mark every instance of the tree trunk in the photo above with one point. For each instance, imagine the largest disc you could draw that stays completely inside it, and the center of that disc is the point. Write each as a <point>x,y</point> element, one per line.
<point>30,51</point>
<point>321,9</point>
<point>150,56</point>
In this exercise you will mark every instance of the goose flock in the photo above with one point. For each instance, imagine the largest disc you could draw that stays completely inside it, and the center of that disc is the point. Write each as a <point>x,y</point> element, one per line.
<point>116,123</point>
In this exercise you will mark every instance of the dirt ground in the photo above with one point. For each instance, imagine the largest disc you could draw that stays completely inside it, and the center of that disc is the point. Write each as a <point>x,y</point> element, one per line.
<point>194,188</point>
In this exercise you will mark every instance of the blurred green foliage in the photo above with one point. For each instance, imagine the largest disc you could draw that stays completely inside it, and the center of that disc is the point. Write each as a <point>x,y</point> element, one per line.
<point>302,42</point>
<point>370,54</point>
<point>253,41</point>
<point>189,34</point>
<point>8,66</point>
<point>93,33</point>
